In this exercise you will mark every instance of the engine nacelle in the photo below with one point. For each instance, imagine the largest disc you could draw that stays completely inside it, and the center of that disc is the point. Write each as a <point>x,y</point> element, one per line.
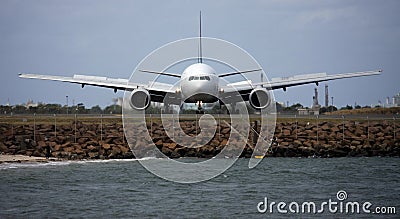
<point>259,98</point>
<point>139,99</point>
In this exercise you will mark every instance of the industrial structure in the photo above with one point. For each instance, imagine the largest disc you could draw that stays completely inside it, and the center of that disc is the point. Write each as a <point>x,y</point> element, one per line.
<point>396,100</point>
<point>314,108</point>
<point>326,96</point>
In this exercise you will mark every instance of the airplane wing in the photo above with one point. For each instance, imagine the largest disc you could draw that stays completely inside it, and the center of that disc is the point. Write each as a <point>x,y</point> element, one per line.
<point>285,82</point>
<point>245,87</point>
<point>156,90</point>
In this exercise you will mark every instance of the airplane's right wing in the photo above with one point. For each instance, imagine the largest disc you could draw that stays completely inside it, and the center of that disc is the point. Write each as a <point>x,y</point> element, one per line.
<point>277,83</point>
<point>245,88</point>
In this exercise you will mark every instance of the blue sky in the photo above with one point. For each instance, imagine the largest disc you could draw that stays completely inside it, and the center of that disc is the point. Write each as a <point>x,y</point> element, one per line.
<point>109,38</point>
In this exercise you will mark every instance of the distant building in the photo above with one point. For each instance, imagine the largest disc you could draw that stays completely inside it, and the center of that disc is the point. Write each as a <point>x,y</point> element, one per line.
<point>30,103</point>
<point>394,103</point>
<point>396,100</point>
<point>314,108</point>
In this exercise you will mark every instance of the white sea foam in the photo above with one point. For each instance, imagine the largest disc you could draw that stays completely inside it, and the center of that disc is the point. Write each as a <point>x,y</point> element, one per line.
<point>5,166</point>
<point>16,165</point>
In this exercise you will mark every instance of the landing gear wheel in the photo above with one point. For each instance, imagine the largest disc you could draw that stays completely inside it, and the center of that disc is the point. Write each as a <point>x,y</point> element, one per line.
<point>200,111</point>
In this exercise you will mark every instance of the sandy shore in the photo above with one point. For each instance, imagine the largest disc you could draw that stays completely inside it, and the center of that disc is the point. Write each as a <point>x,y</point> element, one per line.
<point>21,158</point>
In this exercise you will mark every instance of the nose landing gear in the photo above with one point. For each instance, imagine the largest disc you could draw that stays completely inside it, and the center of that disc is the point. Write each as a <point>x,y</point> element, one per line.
<point>200,109</point>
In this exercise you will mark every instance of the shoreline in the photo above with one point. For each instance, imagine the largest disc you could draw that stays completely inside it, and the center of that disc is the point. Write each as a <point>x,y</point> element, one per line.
<point>18,158</point>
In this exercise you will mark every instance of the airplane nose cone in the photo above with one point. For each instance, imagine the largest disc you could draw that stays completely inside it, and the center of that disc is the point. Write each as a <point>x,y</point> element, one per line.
<point>197,86</point>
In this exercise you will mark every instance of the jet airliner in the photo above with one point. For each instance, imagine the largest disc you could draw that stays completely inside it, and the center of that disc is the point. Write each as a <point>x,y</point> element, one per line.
<point>199,83</point>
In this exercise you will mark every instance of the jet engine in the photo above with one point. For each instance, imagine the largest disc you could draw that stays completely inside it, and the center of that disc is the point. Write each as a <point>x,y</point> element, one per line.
<point>259,98</point>
<point>140,99</point>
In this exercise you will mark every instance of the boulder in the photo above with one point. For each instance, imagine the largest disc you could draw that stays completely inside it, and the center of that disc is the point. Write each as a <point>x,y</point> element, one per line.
<point>116,150</point>
<point>68,149</point>
<point>41,144</point>
<point>3,148</point>
<point>92,148</point>
<point>286,132</point>
<point>124,149</point>
<point>106,146</point>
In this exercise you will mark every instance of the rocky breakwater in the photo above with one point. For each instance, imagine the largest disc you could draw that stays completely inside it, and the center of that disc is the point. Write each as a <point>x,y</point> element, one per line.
<point>72,141</point>
<point>336,139</point>
<point>292,139</point>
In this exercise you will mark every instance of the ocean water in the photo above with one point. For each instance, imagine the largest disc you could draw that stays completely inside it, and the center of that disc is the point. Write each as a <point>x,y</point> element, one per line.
<point>124,189</point>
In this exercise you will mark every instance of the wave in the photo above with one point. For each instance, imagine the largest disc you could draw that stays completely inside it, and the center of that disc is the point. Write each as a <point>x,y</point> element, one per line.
<point>116,160</point>
<point>4,166</point>
<point>15,165</point>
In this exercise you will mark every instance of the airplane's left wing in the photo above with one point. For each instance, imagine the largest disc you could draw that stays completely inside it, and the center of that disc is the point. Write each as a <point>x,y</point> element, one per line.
<point>156,90</point>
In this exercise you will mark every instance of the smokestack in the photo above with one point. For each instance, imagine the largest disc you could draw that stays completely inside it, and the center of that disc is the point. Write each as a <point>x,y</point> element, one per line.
<point>315,97</point>
<point>326,96</point>
<point>387,100</point>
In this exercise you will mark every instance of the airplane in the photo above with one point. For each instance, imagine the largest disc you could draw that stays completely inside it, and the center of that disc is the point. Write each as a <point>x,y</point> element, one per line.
<point>200,83</point>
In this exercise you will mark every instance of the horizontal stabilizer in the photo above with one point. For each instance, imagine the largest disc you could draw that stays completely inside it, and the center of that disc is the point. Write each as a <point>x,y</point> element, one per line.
<point>237,73</point>
<point>162,73</point>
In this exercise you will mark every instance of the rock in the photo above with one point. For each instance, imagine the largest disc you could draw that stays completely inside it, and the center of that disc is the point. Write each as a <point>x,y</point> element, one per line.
<point>82,140</point>
<point>124,149</point>
<point>68,149</point>
<point>116,150</point>
<point>92,155</point>
<point>79,151</point>
<point>355,143</point>
<point>158,141</point>
<point>166,151</point>
<point>57,147</point>
<point>92,148</point>
<point>37,153</point>
<point>67,144</point>
<point>325,128</point>
<point>335,129</point>
<point>170,145</point>
<point>224,142</point>
<point>181,151</point>
<point>128,155</point>
<point>106,146</point>
<point>92,133</point>
<point>3,148</point>
<point>225,131</point>
<point>286,132</point>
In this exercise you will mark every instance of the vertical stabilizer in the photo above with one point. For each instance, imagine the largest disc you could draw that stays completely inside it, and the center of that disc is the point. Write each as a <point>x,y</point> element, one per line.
<point>200,58</point>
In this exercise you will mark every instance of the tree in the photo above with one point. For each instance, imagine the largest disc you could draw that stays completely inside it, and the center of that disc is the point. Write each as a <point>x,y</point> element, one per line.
<point>347,107</point>
<point>153,110</point>
<point>5,109</point>
<point>293,107</point>
<point>19,109</point>
<point>96,110</point>
<point>327,109</point>
<point>80,109</point>
<point>113,109</point>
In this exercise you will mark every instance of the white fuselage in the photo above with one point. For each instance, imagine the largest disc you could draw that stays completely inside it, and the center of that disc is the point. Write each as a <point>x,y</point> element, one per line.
<point>199,82</point>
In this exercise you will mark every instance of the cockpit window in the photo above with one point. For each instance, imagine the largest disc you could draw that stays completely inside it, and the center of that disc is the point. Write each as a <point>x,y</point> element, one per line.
<point>202,78</point>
